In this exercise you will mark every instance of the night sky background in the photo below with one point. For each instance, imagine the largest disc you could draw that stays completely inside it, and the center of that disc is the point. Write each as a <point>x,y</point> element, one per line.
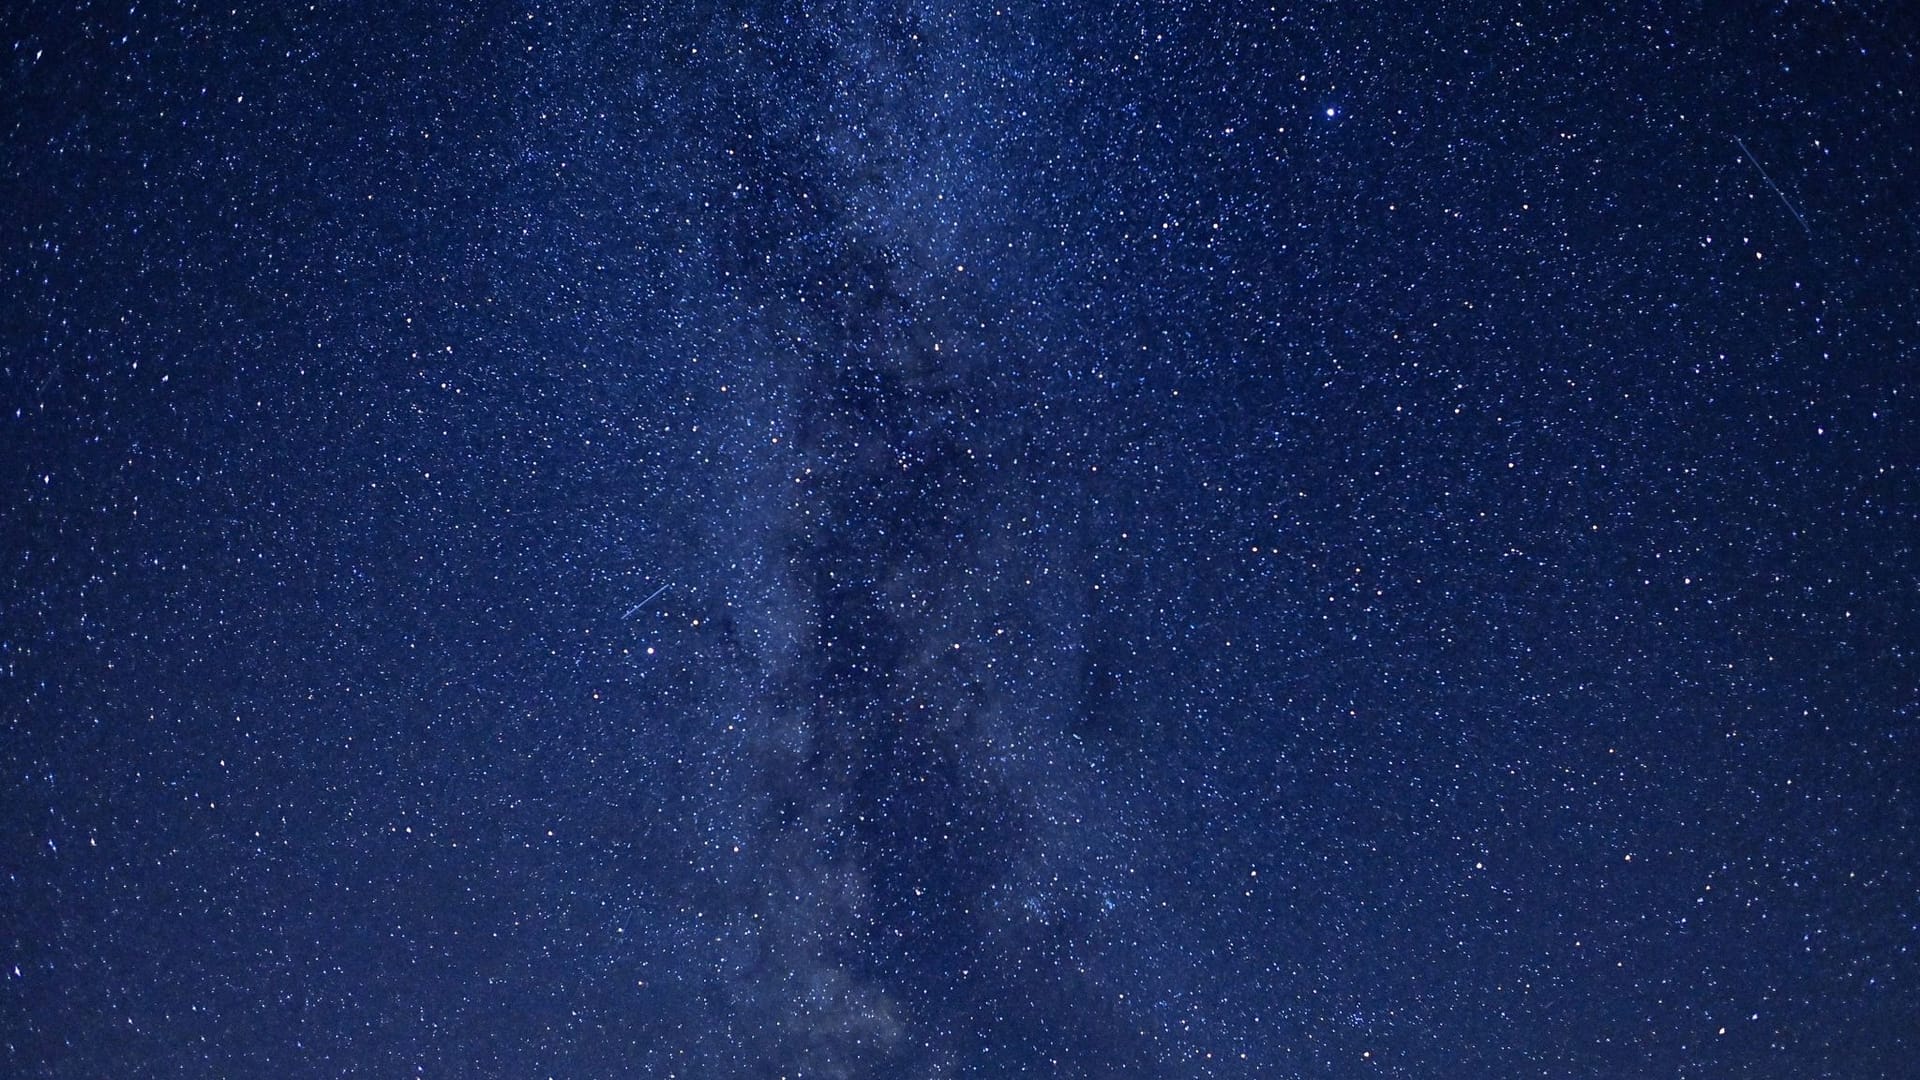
<point>899,540</point>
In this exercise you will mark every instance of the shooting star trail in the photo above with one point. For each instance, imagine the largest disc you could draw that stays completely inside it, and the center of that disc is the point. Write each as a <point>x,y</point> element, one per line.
<point>1784,201</point>
<point>637,608</point>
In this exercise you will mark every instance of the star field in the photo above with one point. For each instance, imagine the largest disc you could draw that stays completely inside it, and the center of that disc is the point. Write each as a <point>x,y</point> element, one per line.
<point>885,539</point>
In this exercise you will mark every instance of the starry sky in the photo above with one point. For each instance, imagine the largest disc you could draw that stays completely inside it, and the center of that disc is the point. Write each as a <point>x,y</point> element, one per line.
<point>887,539</point>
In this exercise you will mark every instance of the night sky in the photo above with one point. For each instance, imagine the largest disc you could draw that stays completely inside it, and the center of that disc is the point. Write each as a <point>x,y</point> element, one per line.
<point>907,540</point>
